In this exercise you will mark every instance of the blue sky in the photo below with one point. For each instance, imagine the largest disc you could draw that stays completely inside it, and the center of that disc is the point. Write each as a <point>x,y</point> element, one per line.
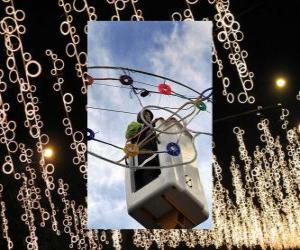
<point>178,50</point>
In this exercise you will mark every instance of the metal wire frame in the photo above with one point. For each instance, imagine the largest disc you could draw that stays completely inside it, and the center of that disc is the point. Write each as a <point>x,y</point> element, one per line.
<point>201,94</point>
<point>160,131</point>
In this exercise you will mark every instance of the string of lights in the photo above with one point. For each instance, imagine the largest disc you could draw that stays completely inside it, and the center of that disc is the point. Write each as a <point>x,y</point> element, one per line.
<point>261,212</point>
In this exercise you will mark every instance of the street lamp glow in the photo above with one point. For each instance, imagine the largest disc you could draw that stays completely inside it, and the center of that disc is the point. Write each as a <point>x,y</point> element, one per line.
<point>280,82</point>
<point>48,152</point>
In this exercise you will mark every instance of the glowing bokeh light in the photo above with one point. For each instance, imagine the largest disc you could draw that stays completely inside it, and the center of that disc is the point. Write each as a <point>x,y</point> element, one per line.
<point>48,152</point>
<point>280,82</point>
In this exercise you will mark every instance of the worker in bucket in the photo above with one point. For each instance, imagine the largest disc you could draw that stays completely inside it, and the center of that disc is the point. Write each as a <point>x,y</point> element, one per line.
<point>136,132</point>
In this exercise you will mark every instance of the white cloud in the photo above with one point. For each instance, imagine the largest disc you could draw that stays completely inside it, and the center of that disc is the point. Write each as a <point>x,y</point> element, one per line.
<point>184,54</point>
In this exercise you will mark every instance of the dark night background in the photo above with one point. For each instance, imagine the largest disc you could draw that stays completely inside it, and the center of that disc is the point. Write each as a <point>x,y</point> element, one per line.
<point>271,39</point>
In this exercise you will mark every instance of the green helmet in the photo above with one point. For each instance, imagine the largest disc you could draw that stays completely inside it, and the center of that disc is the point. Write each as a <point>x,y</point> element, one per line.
<point>132,129</point>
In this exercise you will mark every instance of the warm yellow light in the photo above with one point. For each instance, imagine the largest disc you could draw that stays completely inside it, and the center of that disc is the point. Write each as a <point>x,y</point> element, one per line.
<point>48,152</point>
<point>280,82</point>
